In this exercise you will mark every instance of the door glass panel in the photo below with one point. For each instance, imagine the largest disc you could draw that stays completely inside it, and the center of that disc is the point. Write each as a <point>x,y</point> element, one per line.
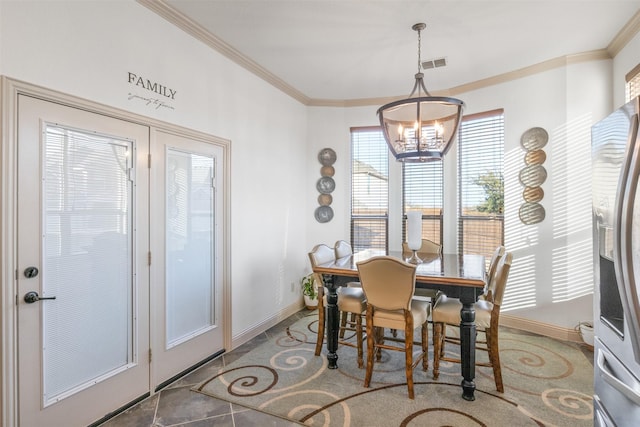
<point>189,246</point>
<point>87,260</point>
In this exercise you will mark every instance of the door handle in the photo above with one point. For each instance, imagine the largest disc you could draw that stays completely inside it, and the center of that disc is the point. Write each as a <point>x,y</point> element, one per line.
<point>628,385</point>
<point>32,296</point>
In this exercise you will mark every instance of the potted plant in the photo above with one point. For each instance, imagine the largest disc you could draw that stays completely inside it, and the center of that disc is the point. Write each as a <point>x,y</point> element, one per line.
<point>309,292</point>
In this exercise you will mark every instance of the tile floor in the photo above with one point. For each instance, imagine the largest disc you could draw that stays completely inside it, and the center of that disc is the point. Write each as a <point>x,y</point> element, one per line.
<point>176,405</point>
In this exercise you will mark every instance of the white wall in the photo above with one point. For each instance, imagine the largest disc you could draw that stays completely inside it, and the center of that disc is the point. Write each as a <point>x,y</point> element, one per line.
<point>87,49</point>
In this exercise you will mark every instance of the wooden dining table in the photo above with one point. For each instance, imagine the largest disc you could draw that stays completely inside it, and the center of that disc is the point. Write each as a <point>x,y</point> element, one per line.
<point>457,276</point>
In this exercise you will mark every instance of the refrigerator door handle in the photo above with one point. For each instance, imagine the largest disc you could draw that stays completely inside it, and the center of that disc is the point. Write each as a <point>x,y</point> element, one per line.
<point>629,386</point>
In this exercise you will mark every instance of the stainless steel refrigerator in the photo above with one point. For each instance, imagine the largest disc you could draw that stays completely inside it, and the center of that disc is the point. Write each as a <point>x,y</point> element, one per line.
<point>616,237</point>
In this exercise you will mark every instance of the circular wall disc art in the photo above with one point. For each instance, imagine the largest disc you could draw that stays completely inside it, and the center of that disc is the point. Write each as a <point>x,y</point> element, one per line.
<point>325,199</point>
<point>532,194</point>
<point>534,139</point>
<point>531,213</point>
<point>324,213</point>
<point>327,156</point>
<point>327,171</point>
<point>533,176</point>
<point>535,157</point>
<point>326,185</point>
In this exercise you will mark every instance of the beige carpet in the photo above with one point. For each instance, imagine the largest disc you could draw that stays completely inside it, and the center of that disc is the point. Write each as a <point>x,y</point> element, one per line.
<point>547,383</point>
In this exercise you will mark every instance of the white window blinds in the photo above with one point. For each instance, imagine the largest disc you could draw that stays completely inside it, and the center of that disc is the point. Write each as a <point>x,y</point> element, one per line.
<point>633,83</point>
<point>423,189</point>
<point>481,183</point>
<point>369,189</point>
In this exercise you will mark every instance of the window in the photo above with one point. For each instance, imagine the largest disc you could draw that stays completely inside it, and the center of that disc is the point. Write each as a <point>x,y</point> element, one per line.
<point>422,188</point>
<point>369,189</point>
<point>633,83</point>
<point>481,183</point>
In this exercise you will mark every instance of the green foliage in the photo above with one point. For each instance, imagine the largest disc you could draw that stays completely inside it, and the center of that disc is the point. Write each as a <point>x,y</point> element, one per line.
<point>308,287</point>
<point>493,185</point>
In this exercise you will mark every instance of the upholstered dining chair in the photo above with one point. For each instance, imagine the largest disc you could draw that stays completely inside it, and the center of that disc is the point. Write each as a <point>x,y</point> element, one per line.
<point>428,248</point>
<point>343,249</point>
<point>389,284</point>
<point>350,300</point>
<point>491,272</point>
<point>446,312</point>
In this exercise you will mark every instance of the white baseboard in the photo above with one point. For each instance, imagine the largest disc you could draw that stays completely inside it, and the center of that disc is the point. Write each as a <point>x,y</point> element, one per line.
<point>256,330</point>
<point>540,328</point>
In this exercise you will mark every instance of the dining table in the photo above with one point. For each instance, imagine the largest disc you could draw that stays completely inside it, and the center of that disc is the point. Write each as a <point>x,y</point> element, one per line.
<point>461,276</point>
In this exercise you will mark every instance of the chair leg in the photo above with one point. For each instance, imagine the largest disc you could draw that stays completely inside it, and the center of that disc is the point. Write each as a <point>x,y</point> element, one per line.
<point>370,347</point>
<point>437,346</point>
<point>425,346</point>
<point>379,339</point>
<point>321,322</point>
<point>408,356</point>
<point>494,357</point>
<point>359,340</point>
<point>343,323</point>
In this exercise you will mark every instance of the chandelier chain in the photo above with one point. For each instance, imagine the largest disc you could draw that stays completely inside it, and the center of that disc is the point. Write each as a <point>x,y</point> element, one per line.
<point>419,48</point>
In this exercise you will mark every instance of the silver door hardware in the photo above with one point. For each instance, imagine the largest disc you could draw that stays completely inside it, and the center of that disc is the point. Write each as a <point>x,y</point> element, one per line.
<point>30,272</point>
<point>32,296</point>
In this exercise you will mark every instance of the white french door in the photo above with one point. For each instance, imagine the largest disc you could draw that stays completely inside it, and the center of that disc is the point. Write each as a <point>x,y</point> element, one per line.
<point>82,257</point>
<point>186,267</point>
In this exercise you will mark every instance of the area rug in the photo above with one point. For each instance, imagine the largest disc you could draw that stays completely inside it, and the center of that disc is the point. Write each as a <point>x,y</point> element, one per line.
<point>547,383</point>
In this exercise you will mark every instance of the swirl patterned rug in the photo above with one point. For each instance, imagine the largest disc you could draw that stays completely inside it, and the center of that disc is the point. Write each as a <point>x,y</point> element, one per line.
<point>547,383</point>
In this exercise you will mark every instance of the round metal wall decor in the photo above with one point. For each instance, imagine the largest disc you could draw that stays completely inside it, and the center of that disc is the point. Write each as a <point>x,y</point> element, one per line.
<point>535,157</point>
<point>532,194</point>
<point>327,171</point>
<point>325,185</point>
<point>327,156</point>
<point>533,176</point>
<point>534,139</point>
<point>325,199</point>
<point>531,213</point>
<point>324,213</point>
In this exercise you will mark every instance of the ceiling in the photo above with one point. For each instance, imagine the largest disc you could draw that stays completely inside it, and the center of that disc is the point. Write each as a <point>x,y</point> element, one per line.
<point>361,49</point>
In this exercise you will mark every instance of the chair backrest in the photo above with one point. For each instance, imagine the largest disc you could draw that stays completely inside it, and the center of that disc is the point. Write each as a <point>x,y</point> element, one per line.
<point>502,274</point>
<point>321,254</point>
<point>343,249</point>
<point>427,247</point>
<point>497,254</point>
<point>388,283</point>
<point>491,273</point>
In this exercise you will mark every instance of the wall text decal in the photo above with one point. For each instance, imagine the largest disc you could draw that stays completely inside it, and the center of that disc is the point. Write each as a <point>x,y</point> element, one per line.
<point>151,86</point>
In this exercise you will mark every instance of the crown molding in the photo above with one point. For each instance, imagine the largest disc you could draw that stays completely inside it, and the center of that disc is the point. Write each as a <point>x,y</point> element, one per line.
<point>625,35</point>
<point>200,33</point>
<point>173,16</point>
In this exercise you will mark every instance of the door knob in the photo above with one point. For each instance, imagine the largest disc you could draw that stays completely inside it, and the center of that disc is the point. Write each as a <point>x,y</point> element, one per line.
<point>32,296</point>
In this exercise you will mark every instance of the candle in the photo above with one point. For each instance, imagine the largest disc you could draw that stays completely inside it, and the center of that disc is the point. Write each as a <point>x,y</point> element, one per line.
<point>414,230</point>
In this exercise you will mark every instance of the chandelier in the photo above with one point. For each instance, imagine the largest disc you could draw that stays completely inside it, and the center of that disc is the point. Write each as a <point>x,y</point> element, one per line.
<point>421,128</point>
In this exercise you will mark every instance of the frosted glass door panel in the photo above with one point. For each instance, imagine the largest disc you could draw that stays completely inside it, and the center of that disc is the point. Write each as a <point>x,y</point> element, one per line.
<point>189,246</point>
<point>87,260</point>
